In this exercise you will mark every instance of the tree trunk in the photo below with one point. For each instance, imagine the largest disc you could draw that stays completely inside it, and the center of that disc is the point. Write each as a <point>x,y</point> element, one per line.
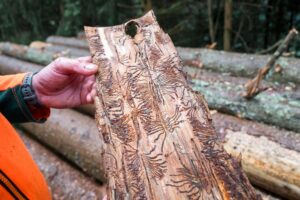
<point>159,140</point>
<point>238,64</point>
<point>74,136</point>
<point>227,25</point>
<point>65,181</point>
<point>210,21</point>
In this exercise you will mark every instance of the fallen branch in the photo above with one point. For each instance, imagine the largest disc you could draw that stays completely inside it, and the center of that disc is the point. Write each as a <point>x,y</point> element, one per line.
<point>252,87</point>
<point>65,181</point>
<point>271,48</point>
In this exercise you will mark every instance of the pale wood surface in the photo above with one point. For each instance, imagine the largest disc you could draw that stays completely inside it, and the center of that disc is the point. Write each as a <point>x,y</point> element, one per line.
<point>159,139</point>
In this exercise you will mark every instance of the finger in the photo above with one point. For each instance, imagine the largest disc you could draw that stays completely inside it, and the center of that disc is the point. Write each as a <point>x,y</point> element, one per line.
<point>94,85</point>
<point>87,86</point>
<point>70,66</point>
<point>84,59</point>
<point>90,97</point>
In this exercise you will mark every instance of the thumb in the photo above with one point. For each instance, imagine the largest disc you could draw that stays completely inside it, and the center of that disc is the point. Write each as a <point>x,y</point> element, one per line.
<point>72,66</point>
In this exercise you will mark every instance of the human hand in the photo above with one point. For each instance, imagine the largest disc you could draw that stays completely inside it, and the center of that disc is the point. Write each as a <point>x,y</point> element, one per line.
<point>66,83</point>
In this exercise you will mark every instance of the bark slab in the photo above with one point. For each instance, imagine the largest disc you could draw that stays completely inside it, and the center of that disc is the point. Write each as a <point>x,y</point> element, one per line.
<point>159,139</point>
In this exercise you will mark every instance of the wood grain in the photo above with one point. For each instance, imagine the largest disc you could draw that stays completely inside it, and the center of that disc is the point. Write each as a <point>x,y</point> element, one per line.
<point>158,134</point>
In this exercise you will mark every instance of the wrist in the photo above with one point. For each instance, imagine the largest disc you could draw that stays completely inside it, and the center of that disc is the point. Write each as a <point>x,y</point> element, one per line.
<point>29,91</point>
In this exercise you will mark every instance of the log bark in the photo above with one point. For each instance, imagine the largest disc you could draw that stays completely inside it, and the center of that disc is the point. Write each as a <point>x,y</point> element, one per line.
<point>27,53</point>
<point>270,157</point>
<point>266,196</point>
<point>278,105</point>
<point>286,139</point>
<point>9,65</point>
<point>262,166</point>
<point>67,50</point>
<point>74,136</point>
<point>273,106</point>
<point>238,64</point>
<point>68,41</point>
<point>64,181</point>
<point>159,140</point>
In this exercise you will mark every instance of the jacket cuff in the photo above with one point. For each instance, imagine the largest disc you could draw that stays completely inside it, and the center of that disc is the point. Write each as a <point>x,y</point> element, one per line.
<point>37,114</point>
<point>15,109</point>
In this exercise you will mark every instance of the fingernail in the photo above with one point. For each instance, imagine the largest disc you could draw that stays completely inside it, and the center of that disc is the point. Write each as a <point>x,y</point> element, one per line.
<point>90,67</point>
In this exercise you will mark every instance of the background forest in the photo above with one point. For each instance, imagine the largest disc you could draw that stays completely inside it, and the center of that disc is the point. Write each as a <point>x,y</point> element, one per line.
<point>250,26</point>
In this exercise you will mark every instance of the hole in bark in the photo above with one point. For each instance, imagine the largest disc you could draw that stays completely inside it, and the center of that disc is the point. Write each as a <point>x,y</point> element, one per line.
<point>131,28</point>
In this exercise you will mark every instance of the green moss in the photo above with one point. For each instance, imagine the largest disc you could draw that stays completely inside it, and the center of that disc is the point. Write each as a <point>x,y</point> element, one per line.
<point>269,106</point>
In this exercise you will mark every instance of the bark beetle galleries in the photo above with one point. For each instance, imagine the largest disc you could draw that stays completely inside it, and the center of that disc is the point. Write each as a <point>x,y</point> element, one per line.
<point>159,139</point>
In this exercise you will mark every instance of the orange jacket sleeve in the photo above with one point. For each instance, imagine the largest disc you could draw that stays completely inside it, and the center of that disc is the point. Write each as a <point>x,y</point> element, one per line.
<point>20,177</point>
<point>12,104</point>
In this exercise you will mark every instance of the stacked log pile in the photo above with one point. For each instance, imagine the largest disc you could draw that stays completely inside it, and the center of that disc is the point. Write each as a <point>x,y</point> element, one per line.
<point>262,132</point>
<point>65,181</point>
